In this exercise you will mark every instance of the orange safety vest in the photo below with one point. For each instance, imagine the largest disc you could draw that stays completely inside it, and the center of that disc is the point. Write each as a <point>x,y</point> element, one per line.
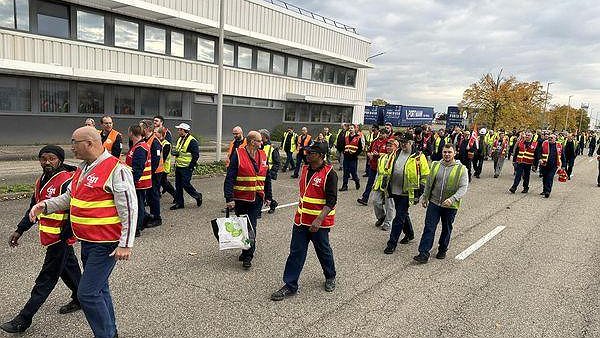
<point>300,144</point>
<point>351,147</point>
<point>50,225</point>
<point>94,216</point>
<point>526,155</point>
<point>230,150</point>
<point>546,153</point>
<point>249,182</point>
<point>161,167</point>
<point>110,139</point>
<point>145,181</point>
<point>312,198</point>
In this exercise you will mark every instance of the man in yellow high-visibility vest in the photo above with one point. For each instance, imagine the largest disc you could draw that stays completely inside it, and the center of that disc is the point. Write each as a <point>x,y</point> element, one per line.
<point>186,154</point>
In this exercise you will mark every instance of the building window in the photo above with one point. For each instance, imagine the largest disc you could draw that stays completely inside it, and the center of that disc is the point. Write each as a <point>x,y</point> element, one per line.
<point>154,40</point>
<point>326,115</point>
<point>150,99</point>
<point>22,14</point>
<point>242,101</point>
<point>317,74</point>
<point>174,104</point>
<point>261,103</point>
<point>90,27</point>
<point>15,94</point>
<point>347,115</point>
<point>292,67</point>
<point>7,14</point>
<point>290,112</point>
<point>244,57</point>
<point>177,44</point>
<point>336,115</point>
<point>315,113</point>
<point>206,50</point>
<point>278,64</point>
<point>340,74</point>
<point>228,54</point>
<point>302,112</point>
<point>350,78</point>
<point>124,100</point>
<point>54,96</point>
<point>329,74</point>
<point>227,99</point>
<point>263,61</point>
<point>126,34</point>
<point>52,19</point>
<point>90,98</point>
<point>306,69</point>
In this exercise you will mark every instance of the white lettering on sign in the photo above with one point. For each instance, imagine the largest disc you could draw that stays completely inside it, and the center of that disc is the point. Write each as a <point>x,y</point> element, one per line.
<point>414,113</point>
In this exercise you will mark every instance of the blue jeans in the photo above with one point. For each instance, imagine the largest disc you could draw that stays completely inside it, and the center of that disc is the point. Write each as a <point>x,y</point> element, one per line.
<point>251,209</point>
<point>183,177</point>
<point>153,196</point>
<point>432,218</point>
<point>350,167</point>
<point>371,180</point>
<point>401,222</point>
<point>94,294</point>
<point>548,177</point>
<point>141,206</point>
<point>301,236</point>
<point>289,161</point>
<point>522,170</point>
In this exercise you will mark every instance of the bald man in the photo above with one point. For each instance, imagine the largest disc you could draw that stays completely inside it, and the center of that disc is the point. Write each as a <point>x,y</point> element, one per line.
<point>247,186</point>
<point>238,142</point>
<point>103,207</point>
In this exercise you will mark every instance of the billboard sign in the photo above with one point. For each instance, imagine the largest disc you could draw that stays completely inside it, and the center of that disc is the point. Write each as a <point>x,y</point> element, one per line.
<point>453,117</point>
<point>414,116</point>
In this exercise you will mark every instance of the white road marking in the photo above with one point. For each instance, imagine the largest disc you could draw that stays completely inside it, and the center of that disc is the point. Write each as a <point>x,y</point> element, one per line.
<point>282,206</point>
<point>479,243</point>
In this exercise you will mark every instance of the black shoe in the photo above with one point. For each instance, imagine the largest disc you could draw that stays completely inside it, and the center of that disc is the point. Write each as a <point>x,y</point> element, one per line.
<point>361,201</point>
<point>546,195</point>
<point>72,306</point>
<point>283,170</point>
<point>294,176</point>
<point>379,222</point>
<point>154,223</point>
<point>138,233</point>
<point>241,258</point>
<point>247,264</point>
<point>512,190</point>
<point>389,250</point>
<point>17,325</point>
<point>525,190</point>
<point>365,175</point>
<point>343,189</point>
<point>259,216</point>
<point>407,239</point>
<point>441,255</point>
<point>199,200</point>
<point>176,206</point>
<point>421,258</point>
<point>542,193</point>
<point>282,293</point>
<point>496,175</point>
<point>146,220</point>
<point>329,284</point>
<point>357,184</point>
<point>272,207</point>
<point>476,176</point>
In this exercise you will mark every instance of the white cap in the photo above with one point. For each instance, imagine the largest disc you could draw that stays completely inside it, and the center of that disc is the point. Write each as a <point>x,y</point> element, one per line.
<point>183,126</point>
<point>482,131</point>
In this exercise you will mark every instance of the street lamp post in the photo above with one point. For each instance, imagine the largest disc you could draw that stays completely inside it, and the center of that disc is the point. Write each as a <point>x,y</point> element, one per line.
<point>567,117</point>
<point>545,106</point>
<point>585,108</point>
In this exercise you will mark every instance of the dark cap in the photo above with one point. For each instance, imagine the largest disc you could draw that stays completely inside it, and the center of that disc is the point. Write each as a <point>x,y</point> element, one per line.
<point>404,137</point>
<point>318,147</point>
<point>52,149</point>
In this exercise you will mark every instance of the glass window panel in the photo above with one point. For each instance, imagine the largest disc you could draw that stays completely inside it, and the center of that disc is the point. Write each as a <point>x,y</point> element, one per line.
<point>22,14</point>
<point>278,64</point>
<point>315,113</point>
<point>329,74</point>
<point>126,34</point>
<point>174,103</point>
<point>326,115</point>
<point>306,69</point>
<point>177,44</point>
<point>124,100</point>
<point>260,103</point>
<point>244,57</point>
<point>206,50</point>
<point>317,74</point>
<point>90,98</point>
<point>242,101</point>
<point>53,19</point>
<point>290,112</point>
<point>228,54</point>
<point>336,115</point>
<point>154,39</point>
<point>340,75</point>
<point>263,61</point>
<point>303,112</point>
<point>15,94</point>
<point>54,96</point>
<point>90,27</point>
<point>292,67</point>
<point>7,14</point>
<point>350,78</point>
<point>347,115</point>
<point>150,101</point>
<point>227,99</point>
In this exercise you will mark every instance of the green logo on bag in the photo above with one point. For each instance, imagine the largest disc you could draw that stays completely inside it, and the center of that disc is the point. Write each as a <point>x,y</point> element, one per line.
<point>232,229</point>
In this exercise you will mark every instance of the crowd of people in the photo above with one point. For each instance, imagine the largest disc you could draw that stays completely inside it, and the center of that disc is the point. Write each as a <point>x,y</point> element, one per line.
<point>110,198</point>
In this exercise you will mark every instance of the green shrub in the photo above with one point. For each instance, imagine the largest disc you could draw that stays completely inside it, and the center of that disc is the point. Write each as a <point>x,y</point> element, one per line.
<point>211,168</point>
<point>277,133</point>
<point>5,189</point>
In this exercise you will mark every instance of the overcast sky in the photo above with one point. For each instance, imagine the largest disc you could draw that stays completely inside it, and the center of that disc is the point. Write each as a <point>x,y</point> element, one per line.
<point>435,49</point>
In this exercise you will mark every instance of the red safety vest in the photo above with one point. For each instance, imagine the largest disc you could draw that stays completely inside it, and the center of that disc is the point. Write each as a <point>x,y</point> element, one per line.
<point>312,198</point>
<point>145,181</point>
<point>546,153</point>
<point>351,147</point>
<point>110,140</point>
<point>526,155</point>
<point>504,146</point>
<point>378,145</point>
<point>248,182</point>
<point>94,216</point>
<point>50,225</point>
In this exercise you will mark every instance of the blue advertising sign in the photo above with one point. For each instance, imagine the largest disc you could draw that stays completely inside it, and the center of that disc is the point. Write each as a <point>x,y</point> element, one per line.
<point>453,117</point>
<point>371,115</point>
<point>414,116</point>
<point>393,114</point>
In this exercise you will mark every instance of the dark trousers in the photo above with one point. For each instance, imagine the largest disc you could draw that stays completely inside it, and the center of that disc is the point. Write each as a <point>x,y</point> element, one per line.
<point>94,293</point>
<point>300,158</point>
<point>60,262</point>
<point>401,222</point>
<point>432,218</point>
<point>468,163</point>
<point>570,164</point>
<point>183,178</point>
<point>289,161</point>
<point>166,185</point>
<point>153,196</point>
<point>350,167</point>
<point>548,177</point>
<point>301,236</point>
<point>367,167</point>
<point>372,174</point>
<point>477,165</point>
<point>251,209</point>
<point>598,173</point>
<point>141,206</point>
<point>591,150</point>
<point>522,170</point>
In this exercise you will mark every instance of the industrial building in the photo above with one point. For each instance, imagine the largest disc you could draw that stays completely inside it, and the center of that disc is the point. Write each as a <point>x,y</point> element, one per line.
<point>64,61</point>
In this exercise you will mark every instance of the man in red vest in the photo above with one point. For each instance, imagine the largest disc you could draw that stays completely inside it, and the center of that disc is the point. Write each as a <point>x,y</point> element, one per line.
<point>551,159</point>
<point>314,218</point>
<point>525,157</point>
<point>103,210</point>
<point>139,160</point>
<point>247,186</point>
<point>55,235</point>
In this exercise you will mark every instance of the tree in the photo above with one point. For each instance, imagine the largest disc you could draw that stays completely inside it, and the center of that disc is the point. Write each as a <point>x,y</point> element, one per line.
<point>557,117</point>
<point>379,102</point>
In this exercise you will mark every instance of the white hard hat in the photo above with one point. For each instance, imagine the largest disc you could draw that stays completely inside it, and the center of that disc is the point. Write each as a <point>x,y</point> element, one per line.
<point>482,131</point>
<point>183,126</point>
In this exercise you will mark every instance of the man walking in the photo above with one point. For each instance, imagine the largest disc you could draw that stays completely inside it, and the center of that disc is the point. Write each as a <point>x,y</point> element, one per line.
<point>159,122</point>
<point>499,152</point>
<point>525,156</point>
<point>157,166</point>
<point>377,148</point>
<point>303,141</point>
<point>138,160</point>
<point>551,159</point>
<point>55,235</point>
<point>103,211</point>
<point>352,147</point>
<point>570,154</point>
<point>289,147</point>
<point>444,190</point>
<point>186,157</point>
<point>111,139</point>
<point>237,142</point>
<point>383,203</point>
<point>273,161</point>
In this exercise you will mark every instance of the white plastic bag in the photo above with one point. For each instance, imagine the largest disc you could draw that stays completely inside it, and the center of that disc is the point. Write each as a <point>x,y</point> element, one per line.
<point>235,232</point>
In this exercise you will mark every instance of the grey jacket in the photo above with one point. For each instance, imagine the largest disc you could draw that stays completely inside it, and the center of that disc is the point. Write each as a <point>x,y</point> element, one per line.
<point>434,194</point>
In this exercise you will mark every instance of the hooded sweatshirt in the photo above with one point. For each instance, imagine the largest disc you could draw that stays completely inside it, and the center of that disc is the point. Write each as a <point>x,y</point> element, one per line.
<point>440,181</point>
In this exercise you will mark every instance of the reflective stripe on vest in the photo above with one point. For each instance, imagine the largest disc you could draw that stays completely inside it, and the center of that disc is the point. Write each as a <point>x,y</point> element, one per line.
<point>167,162</point>
<point>248,182</point>
<point>50,225</point>
<point>451,186</point>
<point>351,146</point>
<point>526,154</point>
<point>312,198</point>
<point>94,216</point>
<point>268,149</point>
<point>546,153</point>
<point>145,181</point>
<point>184,157</point>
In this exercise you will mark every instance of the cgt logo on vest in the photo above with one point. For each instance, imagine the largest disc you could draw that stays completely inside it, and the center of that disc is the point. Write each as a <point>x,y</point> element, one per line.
<point>317,182</point>
<point>50,191</point>
<point>91,180</point>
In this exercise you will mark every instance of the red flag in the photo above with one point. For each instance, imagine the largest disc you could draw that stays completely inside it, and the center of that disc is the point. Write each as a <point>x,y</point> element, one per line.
<point>474,139</point>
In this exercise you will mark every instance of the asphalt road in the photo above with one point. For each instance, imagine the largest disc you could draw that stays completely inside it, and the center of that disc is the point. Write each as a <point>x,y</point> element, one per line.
<point>539,277</point>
